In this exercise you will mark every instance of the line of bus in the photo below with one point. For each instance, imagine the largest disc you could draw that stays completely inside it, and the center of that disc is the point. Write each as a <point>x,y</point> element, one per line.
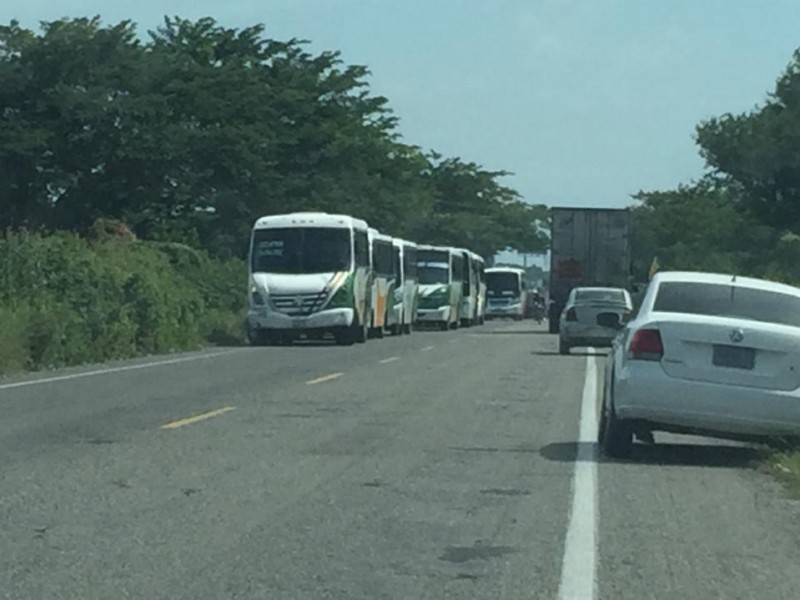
<point>314,275</point>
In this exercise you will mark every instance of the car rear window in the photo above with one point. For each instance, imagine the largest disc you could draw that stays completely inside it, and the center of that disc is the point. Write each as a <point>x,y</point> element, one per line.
<point>724,300</point>
<point>604,296</point>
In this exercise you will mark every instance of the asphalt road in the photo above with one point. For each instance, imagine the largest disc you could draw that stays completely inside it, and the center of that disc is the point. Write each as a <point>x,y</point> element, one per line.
<point>436,465</point>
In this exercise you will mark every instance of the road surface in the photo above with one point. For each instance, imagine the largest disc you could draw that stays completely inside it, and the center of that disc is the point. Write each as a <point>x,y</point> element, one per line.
<point>437,465</point>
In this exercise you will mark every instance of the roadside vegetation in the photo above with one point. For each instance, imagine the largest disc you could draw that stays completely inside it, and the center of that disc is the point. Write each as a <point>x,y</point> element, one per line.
<point>743,217</point>
<point>133,166</point>
<point>785,466</point>
<point>66,300</point>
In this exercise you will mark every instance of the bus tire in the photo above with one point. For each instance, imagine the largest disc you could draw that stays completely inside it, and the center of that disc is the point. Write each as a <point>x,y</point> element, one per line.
<point>345,336</point>
<point>360,332</point>
<point>256,337</point>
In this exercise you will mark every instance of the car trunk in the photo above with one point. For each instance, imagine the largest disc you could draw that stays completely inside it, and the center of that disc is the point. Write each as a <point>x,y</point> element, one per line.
<point>601,315</point>
<point>731,351</point>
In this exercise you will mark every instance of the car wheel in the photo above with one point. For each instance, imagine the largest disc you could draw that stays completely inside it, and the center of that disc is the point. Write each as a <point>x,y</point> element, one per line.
<point>563,347</point>
<point>617,435</point>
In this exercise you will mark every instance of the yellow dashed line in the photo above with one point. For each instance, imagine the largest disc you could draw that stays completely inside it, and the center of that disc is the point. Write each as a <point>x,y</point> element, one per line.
<point>324,378</point>
<point>197,418</point>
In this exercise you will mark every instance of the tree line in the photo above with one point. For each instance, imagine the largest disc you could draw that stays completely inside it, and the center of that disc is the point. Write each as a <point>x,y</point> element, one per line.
<point>743,215</point>
<point>193,131</point>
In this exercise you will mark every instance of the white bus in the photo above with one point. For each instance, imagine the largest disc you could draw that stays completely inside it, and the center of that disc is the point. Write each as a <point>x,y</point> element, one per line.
<point>309,275</point>
<point>468,308</point>
<point>506,293</point>
<point>440,271</point>
<point>382,288</point>
<point>403,315</point>
<point>480,276</point>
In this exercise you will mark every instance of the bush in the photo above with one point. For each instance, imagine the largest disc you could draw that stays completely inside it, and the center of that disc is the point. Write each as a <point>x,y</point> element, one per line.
<point>65,300</point>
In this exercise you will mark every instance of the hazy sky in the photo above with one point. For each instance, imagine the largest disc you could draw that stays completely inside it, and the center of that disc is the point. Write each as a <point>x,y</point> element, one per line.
<point>586,101</point>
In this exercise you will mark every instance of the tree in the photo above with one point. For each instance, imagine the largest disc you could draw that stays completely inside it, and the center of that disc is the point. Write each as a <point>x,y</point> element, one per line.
<point>759,152</point>
<point>196,132</point>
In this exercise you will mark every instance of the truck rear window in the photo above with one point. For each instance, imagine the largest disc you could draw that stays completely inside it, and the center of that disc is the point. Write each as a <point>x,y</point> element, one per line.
<point>724,300</point>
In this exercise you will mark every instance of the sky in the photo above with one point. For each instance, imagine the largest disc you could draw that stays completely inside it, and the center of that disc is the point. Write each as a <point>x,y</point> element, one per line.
<point>586,102</point>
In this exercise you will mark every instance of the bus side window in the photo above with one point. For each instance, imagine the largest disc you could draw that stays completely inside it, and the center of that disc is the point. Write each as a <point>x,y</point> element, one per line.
<point>398,268</point>
<point>410,262</point>
<point>361,244</point>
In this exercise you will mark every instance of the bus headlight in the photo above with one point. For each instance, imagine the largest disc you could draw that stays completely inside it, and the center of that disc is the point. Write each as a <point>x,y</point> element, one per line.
<point>256,298</point>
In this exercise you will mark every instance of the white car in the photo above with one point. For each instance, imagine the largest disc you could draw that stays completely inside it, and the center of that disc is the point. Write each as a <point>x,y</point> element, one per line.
<point>593,316</point>
<point>712,355</point>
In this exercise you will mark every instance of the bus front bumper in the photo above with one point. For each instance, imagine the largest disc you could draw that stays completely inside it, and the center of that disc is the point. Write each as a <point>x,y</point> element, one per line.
<point>434,314</point>
<point>504,310</point>
<point>324,319</point>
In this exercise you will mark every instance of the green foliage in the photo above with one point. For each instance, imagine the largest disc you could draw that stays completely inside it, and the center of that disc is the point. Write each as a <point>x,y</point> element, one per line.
<point>162,152</point>
<point>192,134</point>
<point>66,301</point>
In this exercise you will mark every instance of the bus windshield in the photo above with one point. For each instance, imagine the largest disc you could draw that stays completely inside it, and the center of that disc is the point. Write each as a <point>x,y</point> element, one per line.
<point>300,250</point>
<point>502,284</point>
<point>433,266</point>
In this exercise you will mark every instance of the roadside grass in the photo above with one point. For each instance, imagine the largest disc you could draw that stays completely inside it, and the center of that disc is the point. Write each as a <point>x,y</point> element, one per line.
<point>784,465</point>
<point>67,300</point>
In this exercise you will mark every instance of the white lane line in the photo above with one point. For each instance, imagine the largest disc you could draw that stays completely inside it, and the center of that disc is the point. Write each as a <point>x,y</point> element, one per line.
<point>171,361</point>
<point>579,567</point>
<point>426,348</point>
<point>388,360</point>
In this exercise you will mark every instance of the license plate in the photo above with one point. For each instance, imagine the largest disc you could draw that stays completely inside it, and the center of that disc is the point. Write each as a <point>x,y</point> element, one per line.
<point>610,320</point>
<point>734,357</point>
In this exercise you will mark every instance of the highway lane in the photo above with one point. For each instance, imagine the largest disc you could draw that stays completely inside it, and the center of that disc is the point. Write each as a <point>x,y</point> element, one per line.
<point>438,465</point>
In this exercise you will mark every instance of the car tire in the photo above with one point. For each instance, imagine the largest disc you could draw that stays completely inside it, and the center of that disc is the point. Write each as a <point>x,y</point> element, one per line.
<point>616,435</point>
<point>563,347</point>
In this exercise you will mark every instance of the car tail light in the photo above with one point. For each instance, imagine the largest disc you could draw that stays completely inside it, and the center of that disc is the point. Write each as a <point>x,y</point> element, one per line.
<point>572,315</point>
<point>625,316</point>
<point>646,345</point>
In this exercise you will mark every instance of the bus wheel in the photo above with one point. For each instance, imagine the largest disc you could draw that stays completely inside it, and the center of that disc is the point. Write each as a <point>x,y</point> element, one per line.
<point>361,332</point>
<point>256,337</point>
<point>345,336</point>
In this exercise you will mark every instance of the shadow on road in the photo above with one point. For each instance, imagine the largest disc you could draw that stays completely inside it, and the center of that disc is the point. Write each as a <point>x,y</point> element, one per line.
<point>689,455</point>
<point>512,332</point>
<point>554,353</point>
